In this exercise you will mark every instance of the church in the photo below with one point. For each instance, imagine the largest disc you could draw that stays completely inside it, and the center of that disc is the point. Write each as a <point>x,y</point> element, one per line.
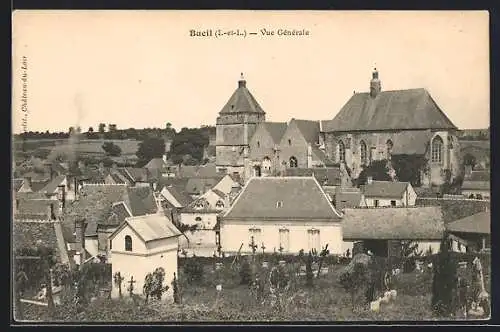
<point>249,146</point>
<point>381,125</point>
<point>374,125</point>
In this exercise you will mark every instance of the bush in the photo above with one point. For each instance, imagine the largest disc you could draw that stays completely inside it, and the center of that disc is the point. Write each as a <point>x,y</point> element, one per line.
<point>193,270</point>
<point>245,272</point>
<point>444,282</point>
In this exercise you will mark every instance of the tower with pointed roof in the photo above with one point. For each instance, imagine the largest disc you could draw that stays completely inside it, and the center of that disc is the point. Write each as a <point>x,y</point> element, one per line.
<point>236,123</point>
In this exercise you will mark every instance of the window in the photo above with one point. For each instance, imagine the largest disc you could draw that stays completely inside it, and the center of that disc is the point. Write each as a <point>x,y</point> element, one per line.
<point>279,204</point>
<point>258,144</point>
<point>437,150</point>
<point>128,243</point>
<point>266,163</point>
<point>375,203</point>
<point>284,239</point>
<point>341,150</point>
<point>393,203</point>
<point>389,147</point>
<point>219,204</point>
<point>363,153</point>
<point>197,219</point>
<point>293,162</point>
<point>314,241</point>
<point>255,233</point>
<point>110,244</point>
<point>289,142</point>
<point>17,204</point>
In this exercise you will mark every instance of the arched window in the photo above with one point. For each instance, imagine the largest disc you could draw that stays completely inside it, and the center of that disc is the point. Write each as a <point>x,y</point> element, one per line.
<point>266,164</point>
<point>128,243</point>
<point>437,150</point>
<point>389,146</point>
<point>363,153</point>
<point>219,204</point>
<point>197,219</point>
<point>341,149</point>
<point>293,162</point>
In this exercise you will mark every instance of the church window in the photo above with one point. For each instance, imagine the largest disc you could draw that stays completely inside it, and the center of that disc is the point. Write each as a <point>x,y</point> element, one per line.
<point>364,153</point>
<point>437,150</point>
<point>341,148</point>
<point>293,162</point>
<point>258,144</point>
<point>289,142</point>
<point>389,146</point>
<point>128,243</point>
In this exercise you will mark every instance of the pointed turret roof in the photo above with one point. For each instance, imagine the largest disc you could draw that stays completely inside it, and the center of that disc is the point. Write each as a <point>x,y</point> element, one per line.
<point>242,101</point>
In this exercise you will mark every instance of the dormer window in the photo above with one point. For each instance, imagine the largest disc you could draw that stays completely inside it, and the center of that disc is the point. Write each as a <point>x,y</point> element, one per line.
<point>279,204</point>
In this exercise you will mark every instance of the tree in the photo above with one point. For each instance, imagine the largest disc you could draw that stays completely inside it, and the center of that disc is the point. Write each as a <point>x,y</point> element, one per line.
<point>153,284</point>
<point>189,142</point>
<point>470,160</point>
<point>102,128</point>
<point>150,148</point>
<point>111,149</point>
<point>409,167</point>
<point>444,281</point>
<point>409,253</point>
<point>71,130</point>
<point>377,169</point>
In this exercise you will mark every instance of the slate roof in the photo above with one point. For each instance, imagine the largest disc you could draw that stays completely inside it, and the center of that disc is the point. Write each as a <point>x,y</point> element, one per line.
<point>389,110</point>
<point>414,223</point>
<point>28,234</point>
<point>479,223</point>
<point>17,184</point>
<point>301,197</point>
<point>141,200</point>
<point>326,176</point>
<point>152,227</point>
<point>119,212</point>
<point>309,129</point>
<point>275,130</point>
<point>385,189</point>
<point>242,101</point>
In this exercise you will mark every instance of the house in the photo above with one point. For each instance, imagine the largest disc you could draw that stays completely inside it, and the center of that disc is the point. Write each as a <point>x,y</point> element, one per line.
<point>293,213</point>
<point>381,230</point>
<point>99,210</point>
<point>382,125</point>
<point>235,125</point>
<point>329,178</point>
<point>264,147</point>
<point>131,176</point>
<point>197,186</point>
<point>347,198</point>
<point>472,231</point>
<point>476,184</point>
<point>387,193</point>
<point>176,196</point>
<point>139,246</point>
<point>157,167</point>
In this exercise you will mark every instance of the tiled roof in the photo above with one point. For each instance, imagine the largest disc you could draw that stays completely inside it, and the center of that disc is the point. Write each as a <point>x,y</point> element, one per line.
<point>94,204</point>
<point>386,189</point>
<point>347,199</point>
<point>390,110</point>
<point>37,208</point>
<point>141,200</point>
<point>51,187</point>
<point>17,184</point>
<point>242,101</point>
<point>415,223</point>
<point>476,185</point>
<point>478,223</point>
<point>119,212</point>
<point>29,234</point>
<point>275,130</point>
<point>309,129</point>
<point>137,174</point>
<point>326,176</point>
<point>175,181</point>
<point>197,185</point>
<point>180,195</point>
<point>282,198</point>
<point>153,227</point>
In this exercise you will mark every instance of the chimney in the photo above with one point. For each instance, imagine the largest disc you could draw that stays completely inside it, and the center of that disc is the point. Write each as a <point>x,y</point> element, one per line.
<point>369,179</point>
<point>309,156</point>
<point>242,83</point>
<point>375,85</point>
<point>80,227</point>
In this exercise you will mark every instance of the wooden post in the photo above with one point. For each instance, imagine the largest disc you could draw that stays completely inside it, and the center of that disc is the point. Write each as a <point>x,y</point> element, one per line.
<point>131,287</point>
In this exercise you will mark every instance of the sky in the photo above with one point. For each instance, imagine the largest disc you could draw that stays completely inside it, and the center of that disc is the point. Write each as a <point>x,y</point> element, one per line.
<point>142,69</point>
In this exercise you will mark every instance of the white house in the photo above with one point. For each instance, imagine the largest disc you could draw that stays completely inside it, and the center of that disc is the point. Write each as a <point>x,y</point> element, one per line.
<point>292,213</point>
<point>139,246</point>
<point>388,193</point>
